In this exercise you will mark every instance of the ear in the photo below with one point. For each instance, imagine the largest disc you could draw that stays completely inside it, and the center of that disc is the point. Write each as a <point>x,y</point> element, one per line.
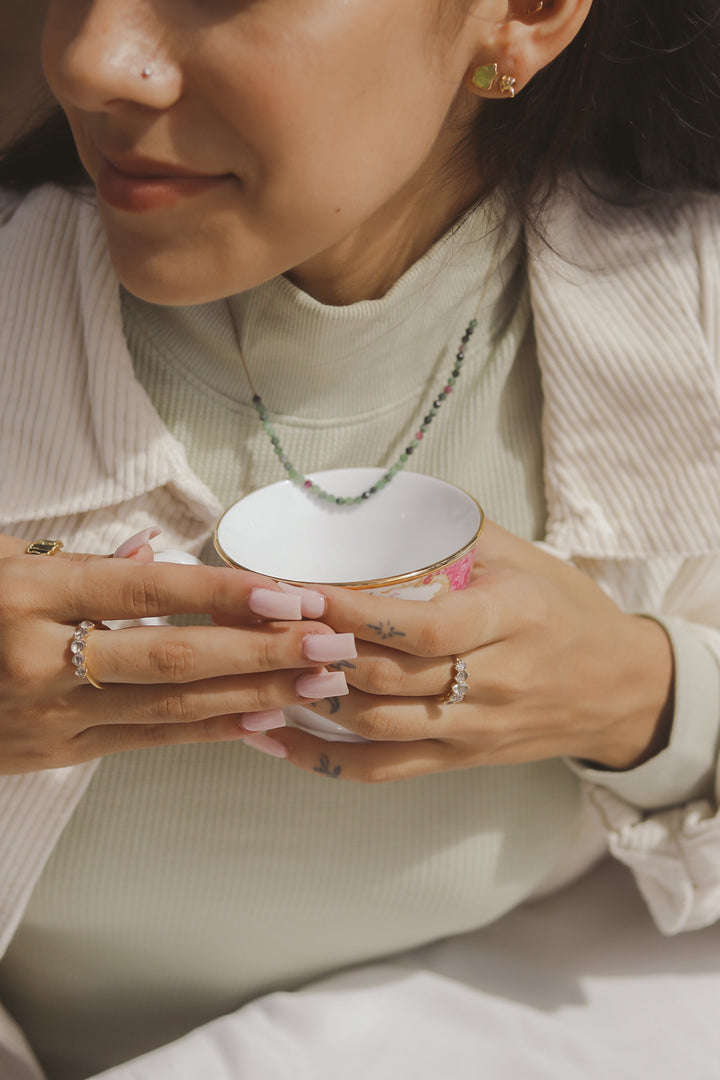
<point>529,36</point>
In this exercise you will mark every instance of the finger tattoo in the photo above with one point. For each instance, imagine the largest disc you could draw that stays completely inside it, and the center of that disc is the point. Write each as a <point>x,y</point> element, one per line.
<point>385,630</point>
<point>324,768</point>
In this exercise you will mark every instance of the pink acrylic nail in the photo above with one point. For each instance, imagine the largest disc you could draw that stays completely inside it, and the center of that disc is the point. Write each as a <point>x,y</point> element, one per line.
<point>263,721</point>
<point>275,605</point>
<point>322,684</point>
<point>326,648</point>
<point>266,745</point>
<point>312,603</point>
<point>131,547</point>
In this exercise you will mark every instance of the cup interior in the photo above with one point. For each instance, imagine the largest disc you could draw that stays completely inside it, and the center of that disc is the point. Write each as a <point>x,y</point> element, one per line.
<point>409,526</point>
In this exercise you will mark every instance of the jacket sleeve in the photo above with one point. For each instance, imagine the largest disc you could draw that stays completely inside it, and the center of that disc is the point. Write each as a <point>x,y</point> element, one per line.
<point>663,818</point>
<point>626,303</point>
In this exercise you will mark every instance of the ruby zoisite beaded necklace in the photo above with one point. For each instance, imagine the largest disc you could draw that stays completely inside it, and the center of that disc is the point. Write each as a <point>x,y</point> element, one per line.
<point>305,482</point>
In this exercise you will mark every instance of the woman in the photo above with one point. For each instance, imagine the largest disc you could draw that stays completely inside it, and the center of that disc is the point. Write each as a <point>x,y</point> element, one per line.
<point>311,203</point>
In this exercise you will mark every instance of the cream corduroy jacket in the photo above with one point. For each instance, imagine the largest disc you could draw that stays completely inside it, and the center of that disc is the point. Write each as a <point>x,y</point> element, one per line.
<point>626,307</point>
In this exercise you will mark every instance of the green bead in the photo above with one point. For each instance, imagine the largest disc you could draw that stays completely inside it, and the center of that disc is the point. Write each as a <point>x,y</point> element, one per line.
<point>403,458</point>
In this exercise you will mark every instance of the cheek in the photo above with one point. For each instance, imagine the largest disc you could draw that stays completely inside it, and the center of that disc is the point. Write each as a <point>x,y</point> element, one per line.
<point>352,153</point>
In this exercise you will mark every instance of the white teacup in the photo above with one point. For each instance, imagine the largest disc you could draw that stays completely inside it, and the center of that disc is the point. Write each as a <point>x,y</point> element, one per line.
<point>415,538</point>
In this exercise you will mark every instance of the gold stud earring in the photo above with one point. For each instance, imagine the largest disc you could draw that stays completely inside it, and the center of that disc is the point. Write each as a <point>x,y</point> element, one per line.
<point>507,85</point>
<point>486,77</point>
<point>536,9</point>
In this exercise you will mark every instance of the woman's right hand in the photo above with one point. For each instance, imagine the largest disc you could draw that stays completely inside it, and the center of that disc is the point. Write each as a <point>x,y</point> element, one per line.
<point>163,685</point>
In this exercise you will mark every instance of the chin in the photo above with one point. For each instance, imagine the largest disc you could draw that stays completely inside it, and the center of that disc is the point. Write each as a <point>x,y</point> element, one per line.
<point>177,270</point>
<point>172,282</point>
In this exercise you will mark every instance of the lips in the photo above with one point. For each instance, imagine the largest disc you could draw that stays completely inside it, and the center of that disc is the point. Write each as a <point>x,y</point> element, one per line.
<point>139,185</point>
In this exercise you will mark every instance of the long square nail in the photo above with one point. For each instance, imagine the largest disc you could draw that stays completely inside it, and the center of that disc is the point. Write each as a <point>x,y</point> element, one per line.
<point>275,605</point>
<point>263,721</point>
<point>322,684</point>
<point>326,648</point>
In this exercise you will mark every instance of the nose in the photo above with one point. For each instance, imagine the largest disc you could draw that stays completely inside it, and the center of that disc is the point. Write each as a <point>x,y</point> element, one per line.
<point>102,55</point>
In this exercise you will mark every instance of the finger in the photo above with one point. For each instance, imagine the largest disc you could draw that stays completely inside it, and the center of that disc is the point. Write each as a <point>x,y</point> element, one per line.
<point>385,762</point>
<point>116,738</point>
<point>173,654</point>
<point>367,763</point>
<point>98,588</point>
<point>200,700</point>
<point>395,719</point>
<point>448,625</point>
<point>389,673</point>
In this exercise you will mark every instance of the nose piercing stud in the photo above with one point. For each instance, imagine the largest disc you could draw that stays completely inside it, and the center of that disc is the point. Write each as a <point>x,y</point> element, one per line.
<point>146,72</point>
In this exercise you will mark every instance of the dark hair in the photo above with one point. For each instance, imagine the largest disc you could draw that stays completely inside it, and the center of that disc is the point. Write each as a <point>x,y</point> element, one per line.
<point>635,97</point>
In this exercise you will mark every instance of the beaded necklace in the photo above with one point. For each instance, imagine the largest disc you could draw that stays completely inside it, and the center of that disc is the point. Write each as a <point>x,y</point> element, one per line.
<point>296,476</point>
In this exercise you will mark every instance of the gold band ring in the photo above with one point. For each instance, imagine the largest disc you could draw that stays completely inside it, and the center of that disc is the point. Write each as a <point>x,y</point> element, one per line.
<point>44,547</point>
<point>459,686</point>
<point>77,648</point>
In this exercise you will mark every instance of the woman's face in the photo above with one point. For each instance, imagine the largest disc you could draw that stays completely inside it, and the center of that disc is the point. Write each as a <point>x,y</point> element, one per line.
<point>233,140</point>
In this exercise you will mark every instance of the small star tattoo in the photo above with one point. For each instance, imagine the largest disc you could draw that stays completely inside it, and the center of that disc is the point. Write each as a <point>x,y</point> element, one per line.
<point>324,768</point>
<point>385,630</point>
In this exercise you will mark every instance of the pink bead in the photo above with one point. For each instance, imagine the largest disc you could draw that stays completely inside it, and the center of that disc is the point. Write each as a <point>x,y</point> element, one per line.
<point>308,484</point>
<point>448,389</point>
<point>418,435</point>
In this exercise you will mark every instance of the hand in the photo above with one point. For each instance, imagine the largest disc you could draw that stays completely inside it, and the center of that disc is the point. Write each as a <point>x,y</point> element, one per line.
<point>554,668</point>
<point>163,685</point>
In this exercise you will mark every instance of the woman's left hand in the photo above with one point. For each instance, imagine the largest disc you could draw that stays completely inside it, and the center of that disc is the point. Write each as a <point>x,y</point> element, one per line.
<point>554,668</point>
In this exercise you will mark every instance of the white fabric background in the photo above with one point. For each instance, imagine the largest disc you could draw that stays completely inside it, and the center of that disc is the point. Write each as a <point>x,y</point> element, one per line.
<point>578,986</point>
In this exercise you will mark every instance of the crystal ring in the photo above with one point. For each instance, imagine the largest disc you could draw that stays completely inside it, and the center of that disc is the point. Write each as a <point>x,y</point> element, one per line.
<point>459,686</point>
<point>77,648</point>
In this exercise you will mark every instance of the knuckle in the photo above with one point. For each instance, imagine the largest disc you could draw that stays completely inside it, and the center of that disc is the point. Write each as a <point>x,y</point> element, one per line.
<point>173,661</point>
<point>172,707</point>
<point>141,597</point>
<point>254,699</point>
<point>375,724</point>
<point>154,735</point>
<point>374,774</point>
<point>265,652</point>
<point>432,638</point>
<point>381,676</point>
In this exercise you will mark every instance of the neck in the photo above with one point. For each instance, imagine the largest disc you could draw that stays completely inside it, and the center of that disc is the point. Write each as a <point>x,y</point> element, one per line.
<point>366,263</point>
